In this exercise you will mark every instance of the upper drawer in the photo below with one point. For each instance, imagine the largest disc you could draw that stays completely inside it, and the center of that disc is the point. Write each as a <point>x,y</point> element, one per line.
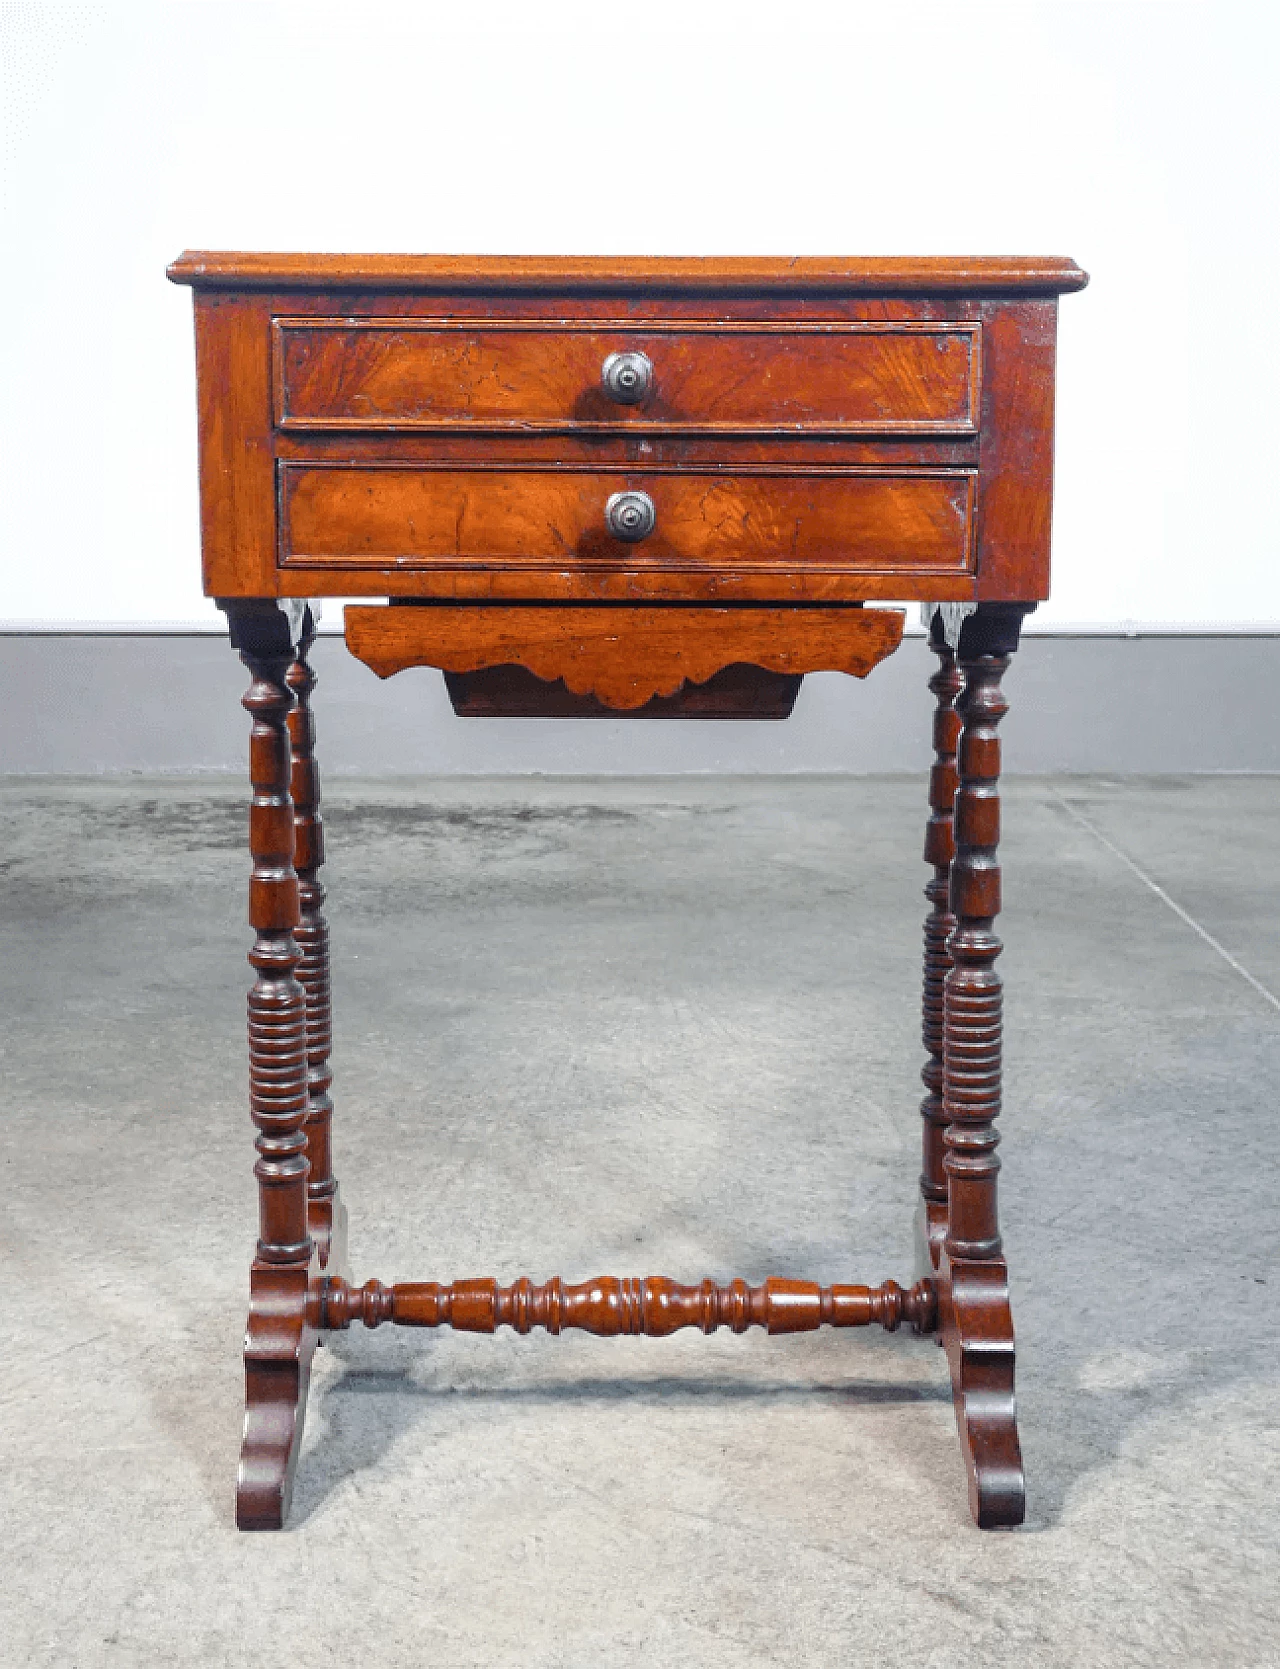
<point>826,377</point>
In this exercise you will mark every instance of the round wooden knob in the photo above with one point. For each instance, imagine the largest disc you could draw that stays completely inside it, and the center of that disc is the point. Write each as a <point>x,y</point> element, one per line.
<point>630,516</point>
<point>627,377</point>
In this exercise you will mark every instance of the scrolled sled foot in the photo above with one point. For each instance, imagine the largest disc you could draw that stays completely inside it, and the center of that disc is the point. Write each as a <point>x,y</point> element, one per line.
<point>977,1332</point>
<point>280,1341</point>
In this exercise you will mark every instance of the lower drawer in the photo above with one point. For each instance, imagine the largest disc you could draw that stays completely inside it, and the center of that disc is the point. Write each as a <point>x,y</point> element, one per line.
<point>428,516</point>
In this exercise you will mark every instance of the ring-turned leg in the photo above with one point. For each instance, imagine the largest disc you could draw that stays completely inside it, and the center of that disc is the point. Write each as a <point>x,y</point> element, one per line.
<point>939,849</point>
<point>280,1337</point>
<point>977,1325</point>
<point>326,1214</point>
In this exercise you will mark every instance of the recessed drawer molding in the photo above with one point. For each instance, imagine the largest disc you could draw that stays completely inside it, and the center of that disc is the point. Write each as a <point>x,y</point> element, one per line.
<point>425,516</point>
<point>823,377</point>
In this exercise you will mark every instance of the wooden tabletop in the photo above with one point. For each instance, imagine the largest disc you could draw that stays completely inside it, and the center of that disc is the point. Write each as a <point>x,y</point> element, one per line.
<point>914,274</point>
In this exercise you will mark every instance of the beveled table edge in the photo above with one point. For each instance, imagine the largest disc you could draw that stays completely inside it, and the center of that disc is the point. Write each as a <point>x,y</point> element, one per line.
<point>888,274</point>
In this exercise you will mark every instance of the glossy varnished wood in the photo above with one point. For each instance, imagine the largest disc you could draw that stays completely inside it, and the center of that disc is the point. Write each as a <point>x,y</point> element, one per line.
<point>814,435</point>
<point>535,584</point>
<point>939,851</point>
<point>326,1215</point>
<point>709,376</point>
<point>738,691</point>
<point>609,1306</point>
<point>281,1336</point>
<point>622,657</point>
<point>395,365</point>
<point>237,462</point>
<point>933,274</point>
<point>1015,482</point>
<point>977,1324</point>
<point>499,517</point>
<point>972,991</point>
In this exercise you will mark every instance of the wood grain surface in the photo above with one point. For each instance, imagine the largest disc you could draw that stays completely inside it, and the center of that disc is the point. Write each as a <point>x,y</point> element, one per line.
<point>738,691</point>
<point>713,377</point>
<point>495,517</point>
<point>622,656</point>
<point>280,1337</point>
<point>977,1321</point>
<point>889,274</point>
<point>611,1306</point>
<point>433,429</point>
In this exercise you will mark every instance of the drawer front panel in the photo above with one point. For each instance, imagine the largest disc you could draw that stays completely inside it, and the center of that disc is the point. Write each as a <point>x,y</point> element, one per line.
<point>425,517</point>
<point>831,378</point>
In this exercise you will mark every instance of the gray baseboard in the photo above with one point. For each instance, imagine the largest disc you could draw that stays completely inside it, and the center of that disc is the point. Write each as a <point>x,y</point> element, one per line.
<point>89,704</point>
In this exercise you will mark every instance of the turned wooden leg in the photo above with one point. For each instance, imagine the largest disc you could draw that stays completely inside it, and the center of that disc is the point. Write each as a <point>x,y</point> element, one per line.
<point>326,1215</point>
<point>280,1338</point>
<point>977,1326</point>
<point>939,849</point>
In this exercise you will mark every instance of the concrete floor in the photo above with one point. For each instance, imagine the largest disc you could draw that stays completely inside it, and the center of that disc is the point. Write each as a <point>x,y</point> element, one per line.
<point>639,1027</point>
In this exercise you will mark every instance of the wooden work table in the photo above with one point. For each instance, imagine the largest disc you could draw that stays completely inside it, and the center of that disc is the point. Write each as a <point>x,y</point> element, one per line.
<point>664,488</point>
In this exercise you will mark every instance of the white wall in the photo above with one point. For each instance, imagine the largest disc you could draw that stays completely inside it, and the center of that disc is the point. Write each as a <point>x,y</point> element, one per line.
<point>1140,139</point>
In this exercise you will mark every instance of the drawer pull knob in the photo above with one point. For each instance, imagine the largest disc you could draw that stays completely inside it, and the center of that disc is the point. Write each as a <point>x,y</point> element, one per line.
<point>627,377</point>
<point>630,516</point>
